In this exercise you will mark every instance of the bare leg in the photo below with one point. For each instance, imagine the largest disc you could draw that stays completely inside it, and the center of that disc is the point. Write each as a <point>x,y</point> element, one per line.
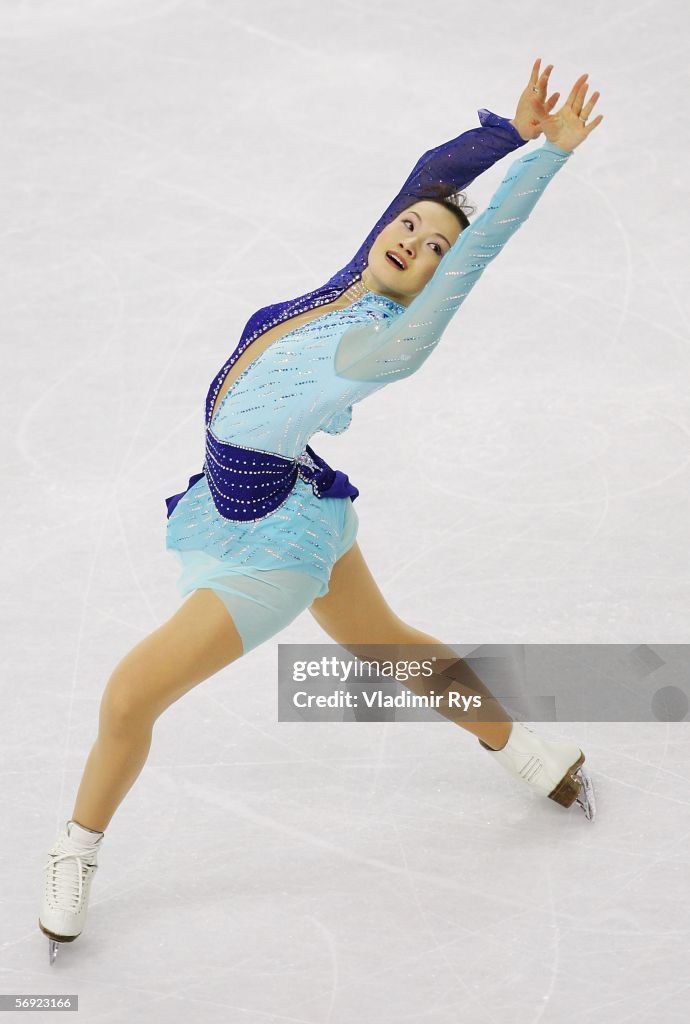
<point>356,615</point>
<point>195,643</point>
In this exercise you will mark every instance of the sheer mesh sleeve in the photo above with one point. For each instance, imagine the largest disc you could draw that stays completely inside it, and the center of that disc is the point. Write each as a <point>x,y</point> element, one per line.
<point>384,351</point>
<point>438,173</point>
<point>455,164</point>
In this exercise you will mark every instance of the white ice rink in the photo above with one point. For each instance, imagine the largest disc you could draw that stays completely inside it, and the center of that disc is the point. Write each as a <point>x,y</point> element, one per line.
<point>168,168</point>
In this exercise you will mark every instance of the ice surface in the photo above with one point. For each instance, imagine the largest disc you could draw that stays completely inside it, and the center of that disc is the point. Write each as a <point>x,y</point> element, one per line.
<point>169,167</point>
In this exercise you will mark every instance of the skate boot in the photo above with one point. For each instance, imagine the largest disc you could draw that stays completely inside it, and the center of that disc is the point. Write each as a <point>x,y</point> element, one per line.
<point>553,768</point>
<point>68,876</point>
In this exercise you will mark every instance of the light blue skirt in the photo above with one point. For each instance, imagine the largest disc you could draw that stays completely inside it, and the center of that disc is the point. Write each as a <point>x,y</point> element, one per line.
<point>265,572</point>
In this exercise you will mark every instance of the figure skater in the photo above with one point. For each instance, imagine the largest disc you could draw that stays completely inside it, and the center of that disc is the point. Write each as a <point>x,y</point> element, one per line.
<point>268,528</point>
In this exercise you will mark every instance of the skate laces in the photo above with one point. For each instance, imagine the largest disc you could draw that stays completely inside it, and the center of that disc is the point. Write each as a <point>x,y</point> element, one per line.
<point>66,882</point>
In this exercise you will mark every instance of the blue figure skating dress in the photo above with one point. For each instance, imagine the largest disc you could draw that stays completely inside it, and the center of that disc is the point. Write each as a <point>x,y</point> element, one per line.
<point>267,566</point>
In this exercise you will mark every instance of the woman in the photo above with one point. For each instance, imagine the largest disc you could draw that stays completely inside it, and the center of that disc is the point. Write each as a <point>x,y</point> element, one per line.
<point>267,528</point>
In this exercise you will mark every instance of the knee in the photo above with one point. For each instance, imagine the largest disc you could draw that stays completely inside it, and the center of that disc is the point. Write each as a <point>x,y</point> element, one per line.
<point>386,642</point>
<point>124,708</point>
<point>402,641</point>
<point>396,632</point>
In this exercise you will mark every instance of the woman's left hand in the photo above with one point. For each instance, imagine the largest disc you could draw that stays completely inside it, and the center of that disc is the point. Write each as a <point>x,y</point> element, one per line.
<point>533,105</point>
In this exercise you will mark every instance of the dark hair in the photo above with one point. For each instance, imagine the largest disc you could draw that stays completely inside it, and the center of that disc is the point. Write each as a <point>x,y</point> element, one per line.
<point>457,206</point>
<point>456,202</point>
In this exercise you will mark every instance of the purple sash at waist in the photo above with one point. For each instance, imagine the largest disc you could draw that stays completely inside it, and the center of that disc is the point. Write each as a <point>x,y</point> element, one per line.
<point>248,484</point>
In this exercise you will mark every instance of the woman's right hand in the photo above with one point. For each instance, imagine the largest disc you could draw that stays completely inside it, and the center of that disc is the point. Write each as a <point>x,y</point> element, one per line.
<point>566,127</point>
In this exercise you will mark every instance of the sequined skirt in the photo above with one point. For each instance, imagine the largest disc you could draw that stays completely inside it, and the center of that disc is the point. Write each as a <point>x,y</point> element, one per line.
<point>306,533</point>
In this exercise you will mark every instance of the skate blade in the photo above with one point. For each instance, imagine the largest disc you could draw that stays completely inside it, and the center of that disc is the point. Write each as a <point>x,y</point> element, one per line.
<point>585,797</point>
<point>569,788</point>
<point>54,942</point>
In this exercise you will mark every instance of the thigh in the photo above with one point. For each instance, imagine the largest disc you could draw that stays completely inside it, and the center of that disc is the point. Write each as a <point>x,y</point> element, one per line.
<point>215,626</point>
<point>354,609</point>
<point>193,644</point>
<point>357,616</point>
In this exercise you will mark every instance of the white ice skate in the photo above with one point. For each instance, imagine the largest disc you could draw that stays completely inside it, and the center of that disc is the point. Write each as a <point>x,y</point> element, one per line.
<point>68,876</point>
<point>553,768</point>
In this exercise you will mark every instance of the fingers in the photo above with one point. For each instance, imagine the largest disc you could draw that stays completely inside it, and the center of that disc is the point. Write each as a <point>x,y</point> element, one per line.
<point>544,81</point>
<point>590,106</point>
<point>535,72</point>
<point>584,112</point>
<point>580,98</point>
<point>575,89</point>
<point>538,81</point>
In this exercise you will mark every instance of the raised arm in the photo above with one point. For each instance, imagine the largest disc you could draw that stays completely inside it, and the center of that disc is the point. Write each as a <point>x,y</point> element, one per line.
<point>391,350</point>
<point>455,164</point>
<point>440,172</point>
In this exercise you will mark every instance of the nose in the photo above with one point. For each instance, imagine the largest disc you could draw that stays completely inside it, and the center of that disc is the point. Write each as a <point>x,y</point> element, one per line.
<point>409,246</point>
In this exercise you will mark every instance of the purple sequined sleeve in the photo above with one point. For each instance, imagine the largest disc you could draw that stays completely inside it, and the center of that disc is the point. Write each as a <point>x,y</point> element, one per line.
<point>444,170</point>
<point>449,167</point>
<point>455,164</point>
<point>383,351</point>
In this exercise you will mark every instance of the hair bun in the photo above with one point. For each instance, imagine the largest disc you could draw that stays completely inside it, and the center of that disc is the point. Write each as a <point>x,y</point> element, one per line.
<point>438,192</point>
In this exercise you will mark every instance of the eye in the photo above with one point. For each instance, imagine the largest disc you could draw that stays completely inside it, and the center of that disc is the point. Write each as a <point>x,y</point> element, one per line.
<point>434,245</point>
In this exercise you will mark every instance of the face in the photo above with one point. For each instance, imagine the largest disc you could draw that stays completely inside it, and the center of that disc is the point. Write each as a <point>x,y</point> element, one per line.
<point>420,237</point>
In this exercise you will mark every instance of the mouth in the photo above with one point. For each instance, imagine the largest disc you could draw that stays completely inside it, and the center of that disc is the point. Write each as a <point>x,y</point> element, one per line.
<point>396,260</point>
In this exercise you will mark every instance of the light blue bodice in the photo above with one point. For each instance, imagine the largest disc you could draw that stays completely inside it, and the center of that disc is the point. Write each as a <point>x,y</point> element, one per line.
<point>288,393</point>
<point>309,379</point>
<point>291,390</point>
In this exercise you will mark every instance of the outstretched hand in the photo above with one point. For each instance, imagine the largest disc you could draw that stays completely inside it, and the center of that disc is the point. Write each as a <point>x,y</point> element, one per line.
<point>567,128</point>
<point>533,105</point>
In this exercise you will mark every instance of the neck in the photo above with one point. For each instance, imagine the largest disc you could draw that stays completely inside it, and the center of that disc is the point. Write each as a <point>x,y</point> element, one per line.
<point>356,290</point>
<point>368,284</point>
